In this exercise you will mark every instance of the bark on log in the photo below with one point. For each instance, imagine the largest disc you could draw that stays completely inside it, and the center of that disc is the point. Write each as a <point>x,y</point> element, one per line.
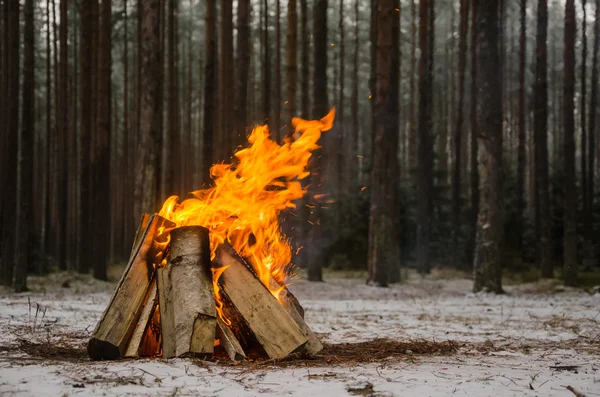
<point>189,295</point>
<point>140,230</point>
<point>133,350</point>
<point>276,331</point>
<point>229,342</point>
<point>113,331</point>
<point>165,304</point>
<point>288,298</point>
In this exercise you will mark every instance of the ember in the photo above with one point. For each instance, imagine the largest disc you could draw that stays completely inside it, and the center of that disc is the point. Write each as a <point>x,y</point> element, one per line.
<point>209,275</point>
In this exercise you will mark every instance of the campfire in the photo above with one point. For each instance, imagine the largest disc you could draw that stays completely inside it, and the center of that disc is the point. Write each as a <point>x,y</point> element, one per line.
<point>208,276</point>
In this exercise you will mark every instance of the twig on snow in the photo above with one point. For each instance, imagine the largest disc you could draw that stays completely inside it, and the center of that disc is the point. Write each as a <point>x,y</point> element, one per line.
<point>572,390</point>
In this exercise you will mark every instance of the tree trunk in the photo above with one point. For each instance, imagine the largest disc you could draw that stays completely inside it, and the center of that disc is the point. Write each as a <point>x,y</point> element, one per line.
<point>425,141</point>
<point>385,252</point>
<point>542,210</point>
<point>591,256</point>
<point>147,167</point>
<point>291,77</point>
<point>11,133</point>
<point>208,125</point>
<point>341,150</point>
<point>490,222</point>
<point>276,117</point>
<point>458,131</point>
<point>320,109</point>
<point>173,143</point>
<point>412,129</point>
<point>266,64</point>
<point>24,230</point>
<point>570,217</point>
<point>474,176</point>
<point>521,149</point>
<point>243,62</point>
<point>226,73</point>
<point>304,59</point>
<point>101,151</point>
<point>352,163</point>
<point>85,105</point>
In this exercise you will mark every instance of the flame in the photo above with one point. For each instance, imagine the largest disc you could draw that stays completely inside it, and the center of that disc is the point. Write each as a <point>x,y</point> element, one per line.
<point>248,195</point>
<point>216,273</point>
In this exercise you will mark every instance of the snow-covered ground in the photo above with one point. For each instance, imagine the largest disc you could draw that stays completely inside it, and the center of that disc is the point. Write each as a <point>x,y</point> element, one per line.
<point>534,341</point>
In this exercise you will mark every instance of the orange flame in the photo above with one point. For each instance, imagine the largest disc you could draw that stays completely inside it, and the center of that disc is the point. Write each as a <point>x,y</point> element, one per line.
<point>244,205</point>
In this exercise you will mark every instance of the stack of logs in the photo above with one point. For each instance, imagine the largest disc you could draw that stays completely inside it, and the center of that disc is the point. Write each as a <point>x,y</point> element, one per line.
<point>169,310</point>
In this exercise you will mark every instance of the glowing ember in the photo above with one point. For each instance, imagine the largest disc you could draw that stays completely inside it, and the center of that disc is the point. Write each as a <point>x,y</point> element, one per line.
<point>244,205</point>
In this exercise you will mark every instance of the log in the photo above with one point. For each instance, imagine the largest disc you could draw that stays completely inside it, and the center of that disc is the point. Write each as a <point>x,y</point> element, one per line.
<point>292,306</point>
<point>165,304</point>
<point>287,298</point>
<point>114,329</point>
<point>275,330</point>
<point>138,234</point>
<point>133,350</point>
<point>229,342</point>
<point>189,296</point>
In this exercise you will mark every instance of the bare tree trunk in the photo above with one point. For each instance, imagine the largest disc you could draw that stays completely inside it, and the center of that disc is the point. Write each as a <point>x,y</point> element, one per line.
<point>521,149</point>
<point>542,210</point>
<point>208,125</point>
<point>304,59</point>
<point>101,151</point>
<point>173,142</point>
<point>243,63</point>
<point>570,217</point>
<point>320,108</point>
<point>11,133</point>
<point>291,77</point>
<point>490,222</point>
<point>266,64</point>
<point>84,167</point>
<point>341,150</point>
<point>353,137</point>
<point>24,228</point>
<point>425,141</point>
<point>226,73</point>
<point>594,132</point>
<point>458,131</point>
<point>384,188</point>
<point>147,167</point>
<point>276,117</point>
<point>590,256</point>
<point>474,177</point>
<point>412,130</point>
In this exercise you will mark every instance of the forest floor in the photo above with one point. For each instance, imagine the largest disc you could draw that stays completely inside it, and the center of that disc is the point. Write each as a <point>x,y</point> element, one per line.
<point>425,337</point>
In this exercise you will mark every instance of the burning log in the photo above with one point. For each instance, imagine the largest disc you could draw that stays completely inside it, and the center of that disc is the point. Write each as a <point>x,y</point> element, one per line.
<point>111,337</point>
<point>290,304</point>
<point>187,302</point>
<point>275,330</point>
<point>229,342</point>
<point>133,350</point>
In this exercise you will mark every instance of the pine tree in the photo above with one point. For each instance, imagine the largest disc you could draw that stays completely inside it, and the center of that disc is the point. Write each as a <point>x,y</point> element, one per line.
<point>570,217</point>
<point>490,221</point>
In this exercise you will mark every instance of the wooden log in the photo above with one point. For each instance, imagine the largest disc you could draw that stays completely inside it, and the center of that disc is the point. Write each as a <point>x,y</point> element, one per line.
<point>166,307</point>
<point>274,328</point>
<point>314,345</point>
<point>229,342</point>
<point>138,234</point>
<point>292,306</point>
<point>189,295</point>
<point>133,349</point>
<point>287,298</point>
<point>113,331</point>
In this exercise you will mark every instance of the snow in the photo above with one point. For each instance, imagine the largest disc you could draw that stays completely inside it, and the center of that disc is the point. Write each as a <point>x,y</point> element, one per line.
<point>533,341</point>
